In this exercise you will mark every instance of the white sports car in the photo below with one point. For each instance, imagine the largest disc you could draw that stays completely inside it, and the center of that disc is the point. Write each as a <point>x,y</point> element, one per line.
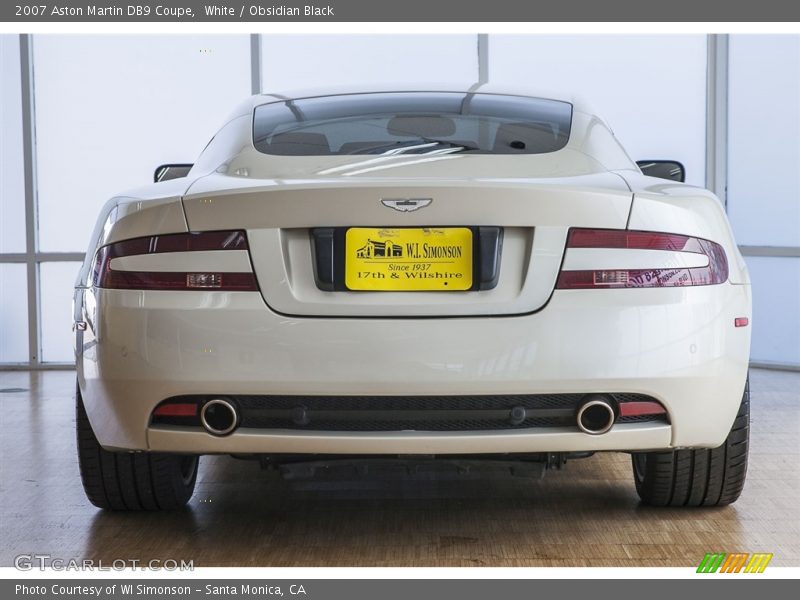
<point>403,273</point>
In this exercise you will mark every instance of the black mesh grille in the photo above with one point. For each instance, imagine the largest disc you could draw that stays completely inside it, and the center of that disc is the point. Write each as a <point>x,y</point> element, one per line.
<point>346,403</point>
<point>420,424</point>
<point>641,418</point>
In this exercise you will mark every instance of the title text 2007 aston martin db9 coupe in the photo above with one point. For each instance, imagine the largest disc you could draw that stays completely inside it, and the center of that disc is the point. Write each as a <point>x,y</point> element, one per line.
<point>395,273</point>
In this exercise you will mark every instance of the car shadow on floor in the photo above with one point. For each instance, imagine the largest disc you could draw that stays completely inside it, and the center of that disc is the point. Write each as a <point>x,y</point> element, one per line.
<point>427,515</point>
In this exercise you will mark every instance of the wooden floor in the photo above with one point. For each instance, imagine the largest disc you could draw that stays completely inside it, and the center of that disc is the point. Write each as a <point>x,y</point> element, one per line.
<point>586,515</point>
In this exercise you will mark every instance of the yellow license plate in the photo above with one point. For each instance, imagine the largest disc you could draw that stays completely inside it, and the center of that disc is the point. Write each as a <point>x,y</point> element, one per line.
<point>408,259</point>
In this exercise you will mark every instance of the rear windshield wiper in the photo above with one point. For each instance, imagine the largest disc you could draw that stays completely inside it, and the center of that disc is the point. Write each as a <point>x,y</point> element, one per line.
<point>456,145</point>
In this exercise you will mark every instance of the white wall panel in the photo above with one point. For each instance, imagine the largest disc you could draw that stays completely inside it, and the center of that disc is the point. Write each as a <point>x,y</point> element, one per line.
<point>12,183</point>
<point>111,109</point>
<point>764,139</point>
<point>13,314</point>
<point>764,182</point>
<point>304,61</point>
<point>776,305</point>
<point>650,89</point>
<point>57,279</point>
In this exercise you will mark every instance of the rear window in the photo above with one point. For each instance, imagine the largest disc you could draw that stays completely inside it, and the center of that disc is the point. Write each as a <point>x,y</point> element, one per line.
<point>412,123</point>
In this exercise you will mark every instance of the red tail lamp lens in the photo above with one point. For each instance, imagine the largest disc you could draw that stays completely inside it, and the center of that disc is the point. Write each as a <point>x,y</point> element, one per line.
<point>106,277</point>
<point>714,273</point>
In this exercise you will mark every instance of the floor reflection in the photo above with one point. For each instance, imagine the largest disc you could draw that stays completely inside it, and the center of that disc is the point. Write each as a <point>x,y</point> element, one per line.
<point>435,515</point>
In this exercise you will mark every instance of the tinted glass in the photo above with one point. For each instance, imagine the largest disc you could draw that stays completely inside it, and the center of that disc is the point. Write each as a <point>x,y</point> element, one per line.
<point>412,123</point>
<point>663,169</point>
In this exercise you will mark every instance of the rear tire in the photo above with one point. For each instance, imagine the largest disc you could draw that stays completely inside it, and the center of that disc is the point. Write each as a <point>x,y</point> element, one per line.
<point>127,480</point>
<point>702,477</point>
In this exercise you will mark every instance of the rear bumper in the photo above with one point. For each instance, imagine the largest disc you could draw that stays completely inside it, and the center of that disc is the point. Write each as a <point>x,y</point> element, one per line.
<point>678,345</point>
<point>628,437</point>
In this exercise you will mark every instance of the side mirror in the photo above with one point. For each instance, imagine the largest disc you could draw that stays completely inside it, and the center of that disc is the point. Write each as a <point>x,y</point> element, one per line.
<point>663,169</point>
<point>167,172</point>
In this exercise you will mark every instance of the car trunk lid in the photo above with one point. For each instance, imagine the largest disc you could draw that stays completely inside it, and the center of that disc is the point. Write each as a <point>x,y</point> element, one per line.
<point>282,217</point>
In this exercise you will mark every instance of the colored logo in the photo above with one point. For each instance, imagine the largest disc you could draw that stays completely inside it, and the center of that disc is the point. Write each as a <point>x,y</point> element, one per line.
<point>373,249</point>
<point>737,562</point>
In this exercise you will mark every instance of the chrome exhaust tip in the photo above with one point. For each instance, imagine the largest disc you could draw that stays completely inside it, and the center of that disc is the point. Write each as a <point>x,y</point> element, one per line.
<point>219,417</point>
<point>597,414</point>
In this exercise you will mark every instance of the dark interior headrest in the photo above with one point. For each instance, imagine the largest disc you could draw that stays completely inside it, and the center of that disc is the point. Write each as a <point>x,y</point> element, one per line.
<point>299,143</point>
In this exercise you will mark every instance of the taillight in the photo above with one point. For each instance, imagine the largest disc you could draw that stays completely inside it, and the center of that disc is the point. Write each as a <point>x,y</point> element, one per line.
<point>621,275</point>
<point>163,277</point>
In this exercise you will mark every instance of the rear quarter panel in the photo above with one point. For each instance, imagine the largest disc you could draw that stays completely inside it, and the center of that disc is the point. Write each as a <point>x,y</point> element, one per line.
<point>660,205</point>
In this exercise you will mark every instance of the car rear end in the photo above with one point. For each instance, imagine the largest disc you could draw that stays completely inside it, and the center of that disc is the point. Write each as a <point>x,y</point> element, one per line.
<point>435,301</point>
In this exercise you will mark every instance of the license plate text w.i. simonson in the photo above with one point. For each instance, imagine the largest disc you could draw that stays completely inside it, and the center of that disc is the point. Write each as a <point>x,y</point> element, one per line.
<point>408,259</point>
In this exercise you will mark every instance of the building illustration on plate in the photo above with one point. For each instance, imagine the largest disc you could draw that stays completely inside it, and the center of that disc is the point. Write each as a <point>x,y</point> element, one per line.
<point>373,249</point>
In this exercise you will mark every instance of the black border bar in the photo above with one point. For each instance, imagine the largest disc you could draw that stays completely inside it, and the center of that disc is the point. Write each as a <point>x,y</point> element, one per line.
<point>440,11</point>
